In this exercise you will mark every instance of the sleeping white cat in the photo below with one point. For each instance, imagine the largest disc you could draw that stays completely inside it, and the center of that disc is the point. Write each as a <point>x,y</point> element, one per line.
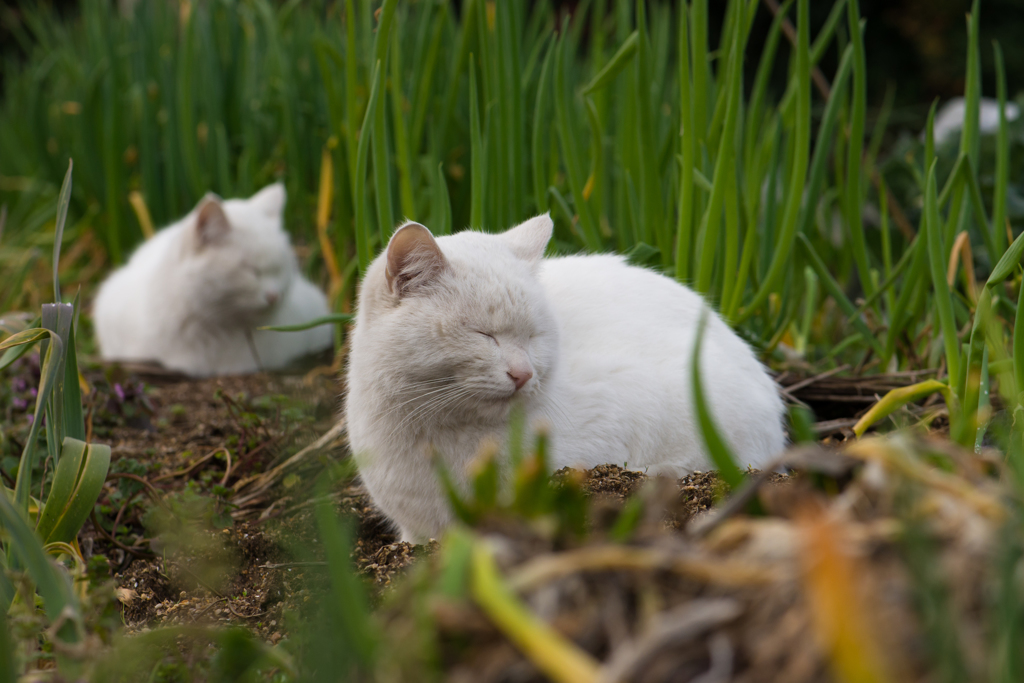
<point>191,297</point>
<point>451,333</point>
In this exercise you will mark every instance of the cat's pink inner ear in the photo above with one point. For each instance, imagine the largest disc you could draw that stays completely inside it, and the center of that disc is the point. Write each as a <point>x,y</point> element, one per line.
<point>271,199</point>
<point>529,240</point>
<point>211,221</point>
<point>414,259</point>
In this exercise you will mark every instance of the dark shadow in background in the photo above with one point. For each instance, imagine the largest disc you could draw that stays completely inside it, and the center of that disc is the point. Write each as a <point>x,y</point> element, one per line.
<point>918,46</point>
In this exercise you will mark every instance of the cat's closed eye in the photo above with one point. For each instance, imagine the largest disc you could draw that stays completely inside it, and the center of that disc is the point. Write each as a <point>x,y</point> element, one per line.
<point>489,336</point>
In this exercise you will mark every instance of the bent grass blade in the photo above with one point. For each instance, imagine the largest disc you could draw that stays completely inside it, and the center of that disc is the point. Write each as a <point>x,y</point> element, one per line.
<point>77,484</point>
<point>718,450</point>
<point>897,398</point>
<point>548,650</point>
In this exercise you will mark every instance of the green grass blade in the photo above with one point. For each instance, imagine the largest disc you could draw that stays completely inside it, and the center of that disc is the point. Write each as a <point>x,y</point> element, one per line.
<point>8,673</point>
<point>561,205</point>
<point>1008,264</point>
<point>617,63</point>
<point>916,274</point>
<point>593,190</point>
<point>1002,179</point>
<point>937,266</point>
<point>897,398</point>
<point>402,155</point>
<point>364,238</point>
<point>701,70</point>
<point>837,294</point>
<point>58,318</point>
<point>718,450</point>
<point>761,79</point>
<point>560,660</point>
<point>511,102</point>
<point>971,421</point>
<point>382,176</point>
<point>823,143</point>
<point>379,130</point>
<point>955,181</point>
<point>540,125</point>
<point>828,29</point>
<point>25,337</point>
<point>750,245</point>
<point>350,607</point>
<point>444,202</point>
<point>477,161</point>
<point>878,130</point>
<point>684,227</point>
<point>799,154</point>
<point>653,226</point>
<point>71,391</point>
<point>58,229</point>
<point>970,141</point>
<point>570,149</point>
<point>54,588</point>
<point>1018,343</point>
<point>426,79</point>
<point>331,319</point>
<point>854,190</point>
<point>929,139</point>
<point>351,85</point>
<point>723,188</point>
<point>978,206</point>
<point>77,484</point>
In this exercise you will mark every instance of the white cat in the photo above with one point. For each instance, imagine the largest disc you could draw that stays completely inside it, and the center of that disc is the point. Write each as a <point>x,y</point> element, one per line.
<point>451,333</point>
<point>190,297</point>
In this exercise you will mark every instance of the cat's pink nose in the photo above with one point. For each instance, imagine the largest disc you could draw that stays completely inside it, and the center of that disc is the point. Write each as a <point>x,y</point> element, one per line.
<point>520,377</point>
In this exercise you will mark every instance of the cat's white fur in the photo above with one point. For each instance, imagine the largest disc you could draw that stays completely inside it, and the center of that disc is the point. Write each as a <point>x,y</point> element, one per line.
<point>189,296</point>
<point>447,329</point>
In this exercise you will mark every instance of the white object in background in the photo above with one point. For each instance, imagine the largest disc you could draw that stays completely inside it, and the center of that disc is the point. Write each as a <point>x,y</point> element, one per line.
<point>950,118</point>
<point>192,297</point>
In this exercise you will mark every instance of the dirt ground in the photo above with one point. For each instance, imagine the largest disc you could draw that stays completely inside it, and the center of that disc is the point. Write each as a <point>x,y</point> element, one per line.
<point>229,458</point>
<point>241,573</point>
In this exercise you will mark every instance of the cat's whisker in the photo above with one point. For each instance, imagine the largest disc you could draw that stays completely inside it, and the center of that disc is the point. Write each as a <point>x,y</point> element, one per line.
<point>396,408</point>
<point>437,402</point>
<point>431,382</point>
<point>456,402</point>
<point>434,396</point>
<point>423,409</point>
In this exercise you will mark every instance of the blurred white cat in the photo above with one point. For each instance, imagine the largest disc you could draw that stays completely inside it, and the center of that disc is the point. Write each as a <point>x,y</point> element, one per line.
<point>949,120</point>
<point>191,297</point>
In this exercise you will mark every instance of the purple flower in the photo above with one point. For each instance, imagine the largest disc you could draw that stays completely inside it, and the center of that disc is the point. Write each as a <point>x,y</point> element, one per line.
<point>119,390</point>
<point>31,418</point>
<point>33,392</point>
<point>19,404</point>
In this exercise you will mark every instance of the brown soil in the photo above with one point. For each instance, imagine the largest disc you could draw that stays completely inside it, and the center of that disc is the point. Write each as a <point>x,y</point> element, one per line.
<point>178,434</point>
<point>741,582</point>
<point>181,423</point>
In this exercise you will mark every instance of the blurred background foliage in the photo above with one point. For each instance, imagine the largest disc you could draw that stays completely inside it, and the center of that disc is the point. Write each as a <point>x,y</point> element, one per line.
<point>248,83</point>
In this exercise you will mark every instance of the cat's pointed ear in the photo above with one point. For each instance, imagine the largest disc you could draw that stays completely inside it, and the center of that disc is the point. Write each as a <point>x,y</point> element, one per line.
<point>270,200</point>
<point>529,240</point>
<point>414,260</point>
<point>211,222</point>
